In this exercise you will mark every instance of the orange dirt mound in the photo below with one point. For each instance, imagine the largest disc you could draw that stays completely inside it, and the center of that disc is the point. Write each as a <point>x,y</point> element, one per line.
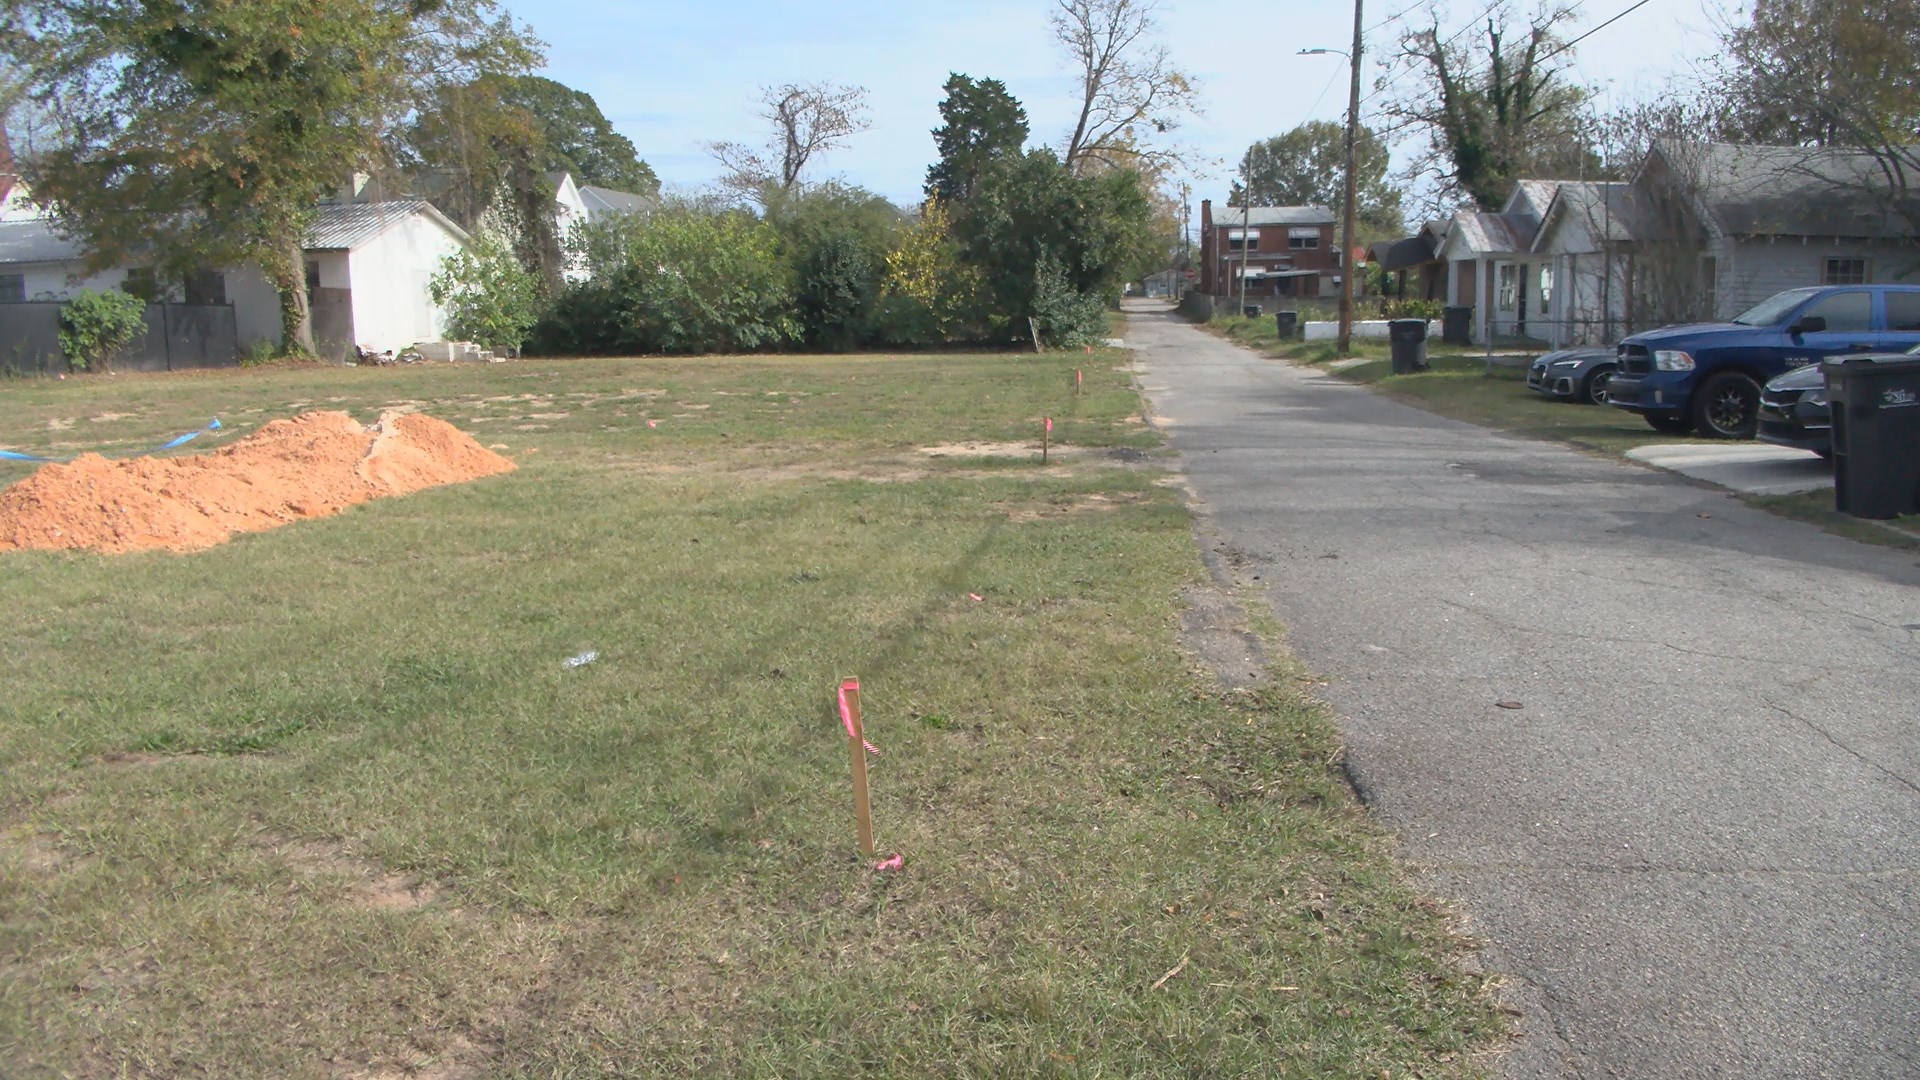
<point>309,466</point>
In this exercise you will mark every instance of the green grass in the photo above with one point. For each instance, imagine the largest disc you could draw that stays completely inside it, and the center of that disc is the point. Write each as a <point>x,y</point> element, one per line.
<point>323,801</point>
<point>1816,507</point>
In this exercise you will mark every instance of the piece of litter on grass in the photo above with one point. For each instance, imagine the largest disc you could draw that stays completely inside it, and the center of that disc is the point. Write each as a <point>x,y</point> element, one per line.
<point>1177,969</point>
<point>581,660</point>
<point>895,863</point>
<point>1285,989</point>
<point>871,749</point>
<point>975,597</point>
<point>1507,705</point>
<point>653,423</point>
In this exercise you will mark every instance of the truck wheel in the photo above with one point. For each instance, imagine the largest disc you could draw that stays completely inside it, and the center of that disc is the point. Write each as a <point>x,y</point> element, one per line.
<point>1669,423</point>
<point>1596,388</point>
<point>1727,406</point>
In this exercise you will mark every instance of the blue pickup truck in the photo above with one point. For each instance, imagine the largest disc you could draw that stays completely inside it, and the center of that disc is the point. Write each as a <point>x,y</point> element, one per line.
<point>1707,378</point>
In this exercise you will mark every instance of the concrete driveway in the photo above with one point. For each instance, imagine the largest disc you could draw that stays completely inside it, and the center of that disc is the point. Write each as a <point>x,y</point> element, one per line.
<point>1749,468</point>
<point>1695,847</point>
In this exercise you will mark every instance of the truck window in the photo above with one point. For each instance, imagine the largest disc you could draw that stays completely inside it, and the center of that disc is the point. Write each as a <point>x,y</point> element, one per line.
<point>1846,312</point>
<point>1903,312</point>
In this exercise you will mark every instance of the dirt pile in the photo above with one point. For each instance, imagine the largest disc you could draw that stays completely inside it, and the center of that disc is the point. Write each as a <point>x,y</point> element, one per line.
<point>309,466</point>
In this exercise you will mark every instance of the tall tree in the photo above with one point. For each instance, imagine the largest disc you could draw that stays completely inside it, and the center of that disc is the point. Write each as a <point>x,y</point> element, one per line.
<point>983,123</point>
<point>576,136</point>
<point>201,133</point>
<point>1493,111</point>
<point>1307,167</point>
<point>807,121</point>
<point>1129,87</point>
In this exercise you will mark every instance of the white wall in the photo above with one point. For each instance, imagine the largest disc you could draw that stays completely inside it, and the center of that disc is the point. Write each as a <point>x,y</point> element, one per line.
<point>256,307</point>
<point>390,274</point>
<point>53,281</point>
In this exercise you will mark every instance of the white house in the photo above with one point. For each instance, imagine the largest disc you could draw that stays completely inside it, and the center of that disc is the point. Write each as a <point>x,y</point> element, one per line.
<point>1489,257</point>
<point>369,265</point>
<point>1584,248</point>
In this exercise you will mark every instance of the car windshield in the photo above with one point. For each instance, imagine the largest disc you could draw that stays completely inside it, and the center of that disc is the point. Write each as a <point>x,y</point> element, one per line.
<point>1771,310</point>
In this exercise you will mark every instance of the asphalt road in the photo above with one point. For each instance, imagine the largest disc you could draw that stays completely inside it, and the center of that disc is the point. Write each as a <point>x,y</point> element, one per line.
<point>1694,849</point>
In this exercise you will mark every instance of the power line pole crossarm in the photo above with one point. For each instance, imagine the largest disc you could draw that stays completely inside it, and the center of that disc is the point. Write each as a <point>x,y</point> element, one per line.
<point>1347,262</point>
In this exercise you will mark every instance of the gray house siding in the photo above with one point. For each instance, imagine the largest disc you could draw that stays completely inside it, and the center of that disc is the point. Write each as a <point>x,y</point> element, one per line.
<point>1752,269</point>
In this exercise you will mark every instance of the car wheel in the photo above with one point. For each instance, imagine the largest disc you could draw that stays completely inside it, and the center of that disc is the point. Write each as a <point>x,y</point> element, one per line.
<point>1669,423</point>
<point>1596,393</point>
<point>1727,406</point>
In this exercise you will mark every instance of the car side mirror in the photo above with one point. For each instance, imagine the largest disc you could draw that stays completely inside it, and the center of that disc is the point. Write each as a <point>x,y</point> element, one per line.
<point>1810,324</point>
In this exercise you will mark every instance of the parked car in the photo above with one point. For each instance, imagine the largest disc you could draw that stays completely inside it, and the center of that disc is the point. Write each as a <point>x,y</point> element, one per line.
<point>1708,378</point>
<point>1579,375</point>
<point>1794,410</point>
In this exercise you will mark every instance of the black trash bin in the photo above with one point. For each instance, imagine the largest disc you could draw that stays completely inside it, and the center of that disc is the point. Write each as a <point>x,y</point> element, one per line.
<point>1456,325</point>
<point>1251,311</point>
<point>1287,323</point>
<point>1876,435</point>
<point>1409,338</point>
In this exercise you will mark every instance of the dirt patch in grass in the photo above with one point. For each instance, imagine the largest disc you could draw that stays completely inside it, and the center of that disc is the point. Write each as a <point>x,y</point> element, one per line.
<point>367,884</point>
<point>995,450</point>
<point>1081,504</point>
<point>290,470</point>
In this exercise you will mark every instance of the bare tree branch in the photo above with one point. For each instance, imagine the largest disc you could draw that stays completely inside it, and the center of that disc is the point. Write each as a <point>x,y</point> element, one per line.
<point>807,120</point>
<point>1129,86</point>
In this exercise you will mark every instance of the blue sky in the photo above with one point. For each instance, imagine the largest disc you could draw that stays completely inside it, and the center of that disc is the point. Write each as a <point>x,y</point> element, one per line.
<point>672,76</point>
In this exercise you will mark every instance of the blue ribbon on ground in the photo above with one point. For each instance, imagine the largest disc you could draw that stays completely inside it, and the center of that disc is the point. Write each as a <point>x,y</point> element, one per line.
<point>13,455</point>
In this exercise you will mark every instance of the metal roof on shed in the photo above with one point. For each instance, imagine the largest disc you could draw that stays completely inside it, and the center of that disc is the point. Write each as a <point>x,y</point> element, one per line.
<point>345,226</point>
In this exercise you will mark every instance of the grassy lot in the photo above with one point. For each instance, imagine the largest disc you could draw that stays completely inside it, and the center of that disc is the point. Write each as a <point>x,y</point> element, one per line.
<point>323,802</point>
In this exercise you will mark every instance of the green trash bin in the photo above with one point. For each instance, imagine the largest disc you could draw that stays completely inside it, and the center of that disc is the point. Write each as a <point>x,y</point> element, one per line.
<point>1875,402</point>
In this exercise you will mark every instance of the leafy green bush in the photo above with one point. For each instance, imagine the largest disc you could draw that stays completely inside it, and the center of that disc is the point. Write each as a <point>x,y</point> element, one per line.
<point>95,325</point>
<point>1068,318</point>
<point>680,280</point>
<point>837,292</point>
<point>489,297</point>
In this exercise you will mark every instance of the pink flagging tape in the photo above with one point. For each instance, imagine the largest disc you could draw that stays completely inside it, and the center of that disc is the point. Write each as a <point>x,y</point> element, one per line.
<point>1049,425</point>
<point>975,597</point>
<point>846,715</point>
<point>884,865</point>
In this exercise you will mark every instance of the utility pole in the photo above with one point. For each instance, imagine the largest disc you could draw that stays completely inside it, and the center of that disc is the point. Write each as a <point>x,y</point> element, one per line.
<point>1186,240</point>
<point>1353,187</point>
<point>1246,219</point>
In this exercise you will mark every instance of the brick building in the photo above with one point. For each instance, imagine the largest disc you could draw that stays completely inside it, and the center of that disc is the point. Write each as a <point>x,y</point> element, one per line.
<point>1285,251</point>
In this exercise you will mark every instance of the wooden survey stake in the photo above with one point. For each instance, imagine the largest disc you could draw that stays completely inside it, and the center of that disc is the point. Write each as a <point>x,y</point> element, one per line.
<point>1046,440</point>
<point>857,747</point>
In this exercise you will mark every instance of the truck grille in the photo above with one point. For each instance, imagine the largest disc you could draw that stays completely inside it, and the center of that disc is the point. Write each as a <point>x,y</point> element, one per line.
<point>1635,360</point>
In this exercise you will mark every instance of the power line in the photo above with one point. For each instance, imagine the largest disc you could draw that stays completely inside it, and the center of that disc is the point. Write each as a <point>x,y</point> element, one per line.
<point>1590,33</point>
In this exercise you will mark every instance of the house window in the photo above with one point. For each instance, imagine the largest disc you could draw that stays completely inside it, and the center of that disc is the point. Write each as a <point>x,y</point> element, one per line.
<point>1243,239</point>
<point>207,288</point>
<point>140,282</point>
<point>313,277</point>
<point>1844,272</point>
<point>1509,289</point>
<point>1903,312</point>
<point>1303,239</point>
<point>1546,287</point>
<point>13,288</point>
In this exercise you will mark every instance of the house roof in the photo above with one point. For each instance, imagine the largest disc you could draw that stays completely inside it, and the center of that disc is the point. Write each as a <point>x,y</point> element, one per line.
<point>345,226</point>
<point>1609,210</point>
<point>1484,233</point>
<point>1538,193</point>
<point>34,241</point>
<point>1230,217</point>
<point>1400,254</point>
<point>1790,190</point>
<point>601,200</point>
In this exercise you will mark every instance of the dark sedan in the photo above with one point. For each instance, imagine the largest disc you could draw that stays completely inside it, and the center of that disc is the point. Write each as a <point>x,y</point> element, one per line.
<point>1794,410</point>
<point>1579,375</point>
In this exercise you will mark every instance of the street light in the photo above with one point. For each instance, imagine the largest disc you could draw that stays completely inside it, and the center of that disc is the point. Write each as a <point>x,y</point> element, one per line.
<point>1346,213</point>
